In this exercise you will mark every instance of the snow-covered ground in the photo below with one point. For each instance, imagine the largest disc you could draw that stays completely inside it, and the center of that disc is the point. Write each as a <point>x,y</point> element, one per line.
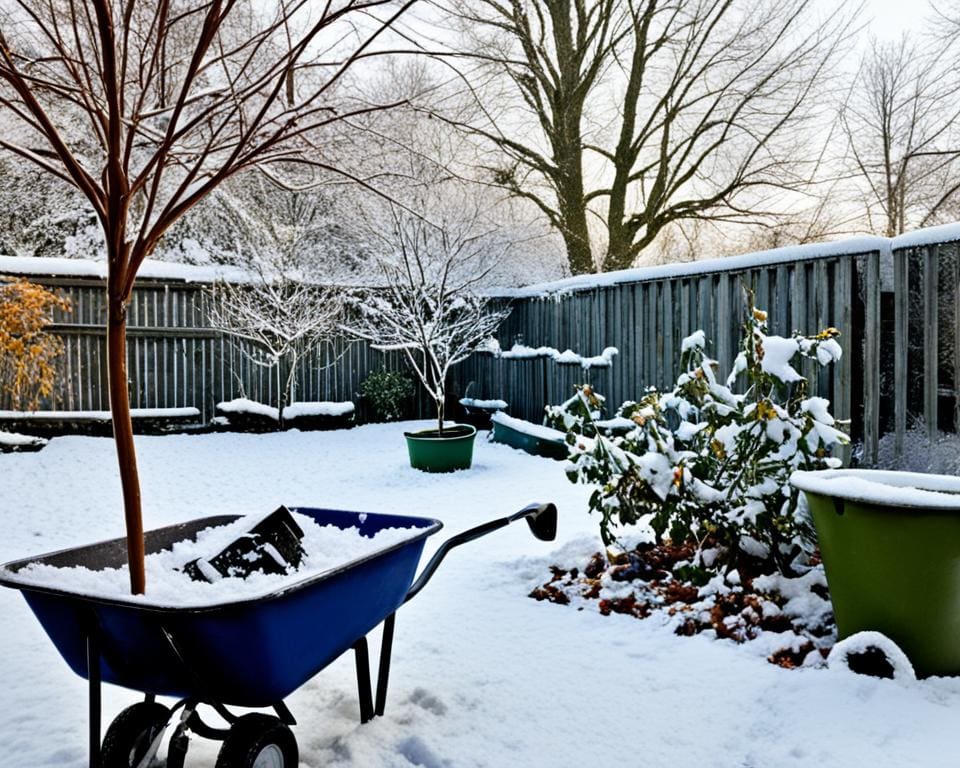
<point>482,675</point>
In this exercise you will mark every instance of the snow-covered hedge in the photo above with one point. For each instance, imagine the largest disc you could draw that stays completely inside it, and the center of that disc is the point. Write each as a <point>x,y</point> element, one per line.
<point>706,464</point>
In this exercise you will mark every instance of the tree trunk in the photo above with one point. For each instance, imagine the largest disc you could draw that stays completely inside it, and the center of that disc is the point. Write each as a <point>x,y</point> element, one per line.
<point>568,152</point>
<point>620,238</point>
<point>576,238</point>
<point>123,437</point>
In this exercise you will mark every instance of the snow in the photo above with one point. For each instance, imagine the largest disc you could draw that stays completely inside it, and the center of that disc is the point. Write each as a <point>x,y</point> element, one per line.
<point>15,438</point>
<point>888,489</point>
<point>696,340</point>
<point>854,245</point>
<point>151,269</point>
<point>492,405</point>
<point>840,654</point>
<point>615,423</point>
<point>529,428</point>
<point>326,548</point>
<point>567,357</point>
<point>944,233</point>
<point>160,270</point>
<point>245,405</point>
<point>777,353</point>
<point>483,676</point>
<point>318,408</point>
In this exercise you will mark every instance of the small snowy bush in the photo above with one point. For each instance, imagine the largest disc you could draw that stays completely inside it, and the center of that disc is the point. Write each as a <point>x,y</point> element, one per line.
<point>937,454</point>
<point>388,393</point>
<point>709,465</point>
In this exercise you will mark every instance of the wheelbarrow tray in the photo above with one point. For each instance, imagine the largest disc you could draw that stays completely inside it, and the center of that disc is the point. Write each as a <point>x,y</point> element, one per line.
<point>249,652</point>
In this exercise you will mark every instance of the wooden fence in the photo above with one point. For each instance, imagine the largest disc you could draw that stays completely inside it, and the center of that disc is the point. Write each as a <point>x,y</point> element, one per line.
<point>176,359</point>
<point>646,320</point>
<point>901,341</point>
<point>925,329</point>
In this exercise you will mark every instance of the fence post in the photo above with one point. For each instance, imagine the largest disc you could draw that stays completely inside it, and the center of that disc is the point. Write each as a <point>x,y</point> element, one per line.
<point>901,329</point>
<point>871,359</point>
<point>931,361</point>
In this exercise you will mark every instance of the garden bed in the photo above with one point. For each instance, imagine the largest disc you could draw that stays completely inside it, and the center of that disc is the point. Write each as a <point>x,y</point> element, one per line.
<point>146,421</point>
<point>535,439</point>
<point>790,617</point>
<point>243,415</point>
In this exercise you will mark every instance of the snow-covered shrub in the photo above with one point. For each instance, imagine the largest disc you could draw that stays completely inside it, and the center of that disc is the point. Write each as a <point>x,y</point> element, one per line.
<point>709,465</point>
<point>579,414</point>
<point>388,393</point>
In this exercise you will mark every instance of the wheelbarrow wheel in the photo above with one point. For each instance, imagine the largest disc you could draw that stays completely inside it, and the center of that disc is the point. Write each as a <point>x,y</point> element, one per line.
<point>131,733</point>
<point>259,741</point>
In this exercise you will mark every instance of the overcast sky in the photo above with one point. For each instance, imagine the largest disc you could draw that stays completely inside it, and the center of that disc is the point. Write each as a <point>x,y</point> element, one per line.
<point>889,17</point>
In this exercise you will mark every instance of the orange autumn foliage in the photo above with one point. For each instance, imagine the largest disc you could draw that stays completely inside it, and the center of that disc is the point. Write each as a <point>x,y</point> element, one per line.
<point>27,351</point>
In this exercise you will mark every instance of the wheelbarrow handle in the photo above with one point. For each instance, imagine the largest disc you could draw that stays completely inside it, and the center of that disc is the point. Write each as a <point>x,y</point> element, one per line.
<point>542,519</point>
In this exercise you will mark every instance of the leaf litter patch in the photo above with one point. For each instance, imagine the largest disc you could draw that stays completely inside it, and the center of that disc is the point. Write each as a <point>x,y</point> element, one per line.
<point>789,620</point>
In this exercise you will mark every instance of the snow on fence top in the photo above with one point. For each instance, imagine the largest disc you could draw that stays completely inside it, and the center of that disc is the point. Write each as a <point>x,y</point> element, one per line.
<point>151,269</point>
<point>945,233</point>
<point>856,245</point>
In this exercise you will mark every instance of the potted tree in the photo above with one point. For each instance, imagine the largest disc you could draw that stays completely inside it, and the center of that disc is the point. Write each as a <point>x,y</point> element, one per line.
<point>425,305</point>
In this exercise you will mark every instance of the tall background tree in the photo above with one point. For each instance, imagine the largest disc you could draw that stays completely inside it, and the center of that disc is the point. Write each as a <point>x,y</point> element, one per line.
<point>902,123</point>
<point>146,107</point>
<point>626,117</point>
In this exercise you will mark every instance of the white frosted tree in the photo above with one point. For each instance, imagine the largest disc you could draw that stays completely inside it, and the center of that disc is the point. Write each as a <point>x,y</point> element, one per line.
<point>428,265</point>
<point>284,309</point>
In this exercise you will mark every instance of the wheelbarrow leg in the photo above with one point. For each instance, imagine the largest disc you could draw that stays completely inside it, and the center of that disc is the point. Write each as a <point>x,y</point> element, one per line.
<point>362,654</point>
<point>383,675</point>
<point>93,678</point>
<point>364,687</point>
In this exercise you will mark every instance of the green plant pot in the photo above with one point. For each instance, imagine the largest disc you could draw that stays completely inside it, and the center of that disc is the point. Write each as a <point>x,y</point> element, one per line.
<point>892,558</point>
<point>433,453</point>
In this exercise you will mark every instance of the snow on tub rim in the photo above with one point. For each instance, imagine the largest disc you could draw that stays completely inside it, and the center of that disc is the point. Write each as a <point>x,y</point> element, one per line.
<point>882,488</point>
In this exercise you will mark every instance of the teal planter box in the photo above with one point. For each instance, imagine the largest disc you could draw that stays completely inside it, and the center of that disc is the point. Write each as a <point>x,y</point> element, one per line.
<point>890,543</point>
<point>532,438</point>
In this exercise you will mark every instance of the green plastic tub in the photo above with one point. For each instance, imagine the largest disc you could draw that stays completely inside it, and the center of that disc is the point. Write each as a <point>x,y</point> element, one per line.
<point>433,453</point>
<point>532,438</point>
<point>890,543</point>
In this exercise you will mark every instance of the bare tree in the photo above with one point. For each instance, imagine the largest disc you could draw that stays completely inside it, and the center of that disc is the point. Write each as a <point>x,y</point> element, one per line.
<point>633,115</point>
<point>426,304</point>
<point>900,121</point>
<point>286,308</point>
<point>146,107</point>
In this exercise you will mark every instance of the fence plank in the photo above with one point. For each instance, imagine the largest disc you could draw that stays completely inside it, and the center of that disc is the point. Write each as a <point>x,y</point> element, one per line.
<point>871,359</point>
<point>931,269</point>
<point>901,331</point>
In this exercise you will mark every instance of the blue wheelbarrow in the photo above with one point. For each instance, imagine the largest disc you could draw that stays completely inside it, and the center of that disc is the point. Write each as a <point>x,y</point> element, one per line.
<point>242,653</point>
